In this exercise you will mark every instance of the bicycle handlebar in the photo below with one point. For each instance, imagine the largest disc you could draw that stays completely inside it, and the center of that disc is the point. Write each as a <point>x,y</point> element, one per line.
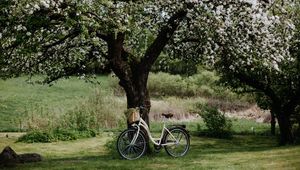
<point>142,107</point>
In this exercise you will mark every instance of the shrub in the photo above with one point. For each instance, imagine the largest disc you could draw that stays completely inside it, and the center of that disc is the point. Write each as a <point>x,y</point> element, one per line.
<point>64,135</point>
<point>86,134</point>
<point>164,84</point>
<point>36,136</point>
<point>55,135</point>
<point>216,122</point>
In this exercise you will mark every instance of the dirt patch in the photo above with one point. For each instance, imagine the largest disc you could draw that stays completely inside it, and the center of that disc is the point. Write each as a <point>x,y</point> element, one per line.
<point>180,113</point>
<point>251,113</point>
<point>238,110</point>
<point>11,134</point>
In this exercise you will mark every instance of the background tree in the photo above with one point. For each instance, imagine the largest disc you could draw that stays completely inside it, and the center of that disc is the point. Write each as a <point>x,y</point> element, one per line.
<point>250,43</point>
<point>250,59</point>
<point>278,83</point>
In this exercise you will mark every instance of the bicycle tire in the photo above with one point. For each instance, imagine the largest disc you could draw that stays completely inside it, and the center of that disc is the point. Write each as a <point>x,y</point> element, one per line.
<point>131,152</point>
<point>179,149</point>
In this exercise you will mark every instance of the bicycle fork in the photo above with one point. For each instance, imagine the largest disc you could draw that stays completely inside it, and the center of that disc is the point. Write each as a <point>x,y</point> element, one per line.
<point>135,135</point>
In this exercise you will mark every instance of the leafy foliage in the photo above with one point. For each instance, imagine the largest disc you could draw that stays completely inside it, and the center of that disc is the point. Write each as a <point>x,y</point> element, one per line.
<point>175,66</point>
<point>36,137</point>
<point>216,122</point>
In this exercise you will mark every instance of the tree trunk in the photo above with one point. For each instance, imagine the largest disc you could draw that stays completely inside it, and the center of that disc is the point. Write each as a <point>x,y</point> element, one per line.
<point>273,123</point>
<point>286,135</point>
<point>137,100</point>
<point>141,97</point>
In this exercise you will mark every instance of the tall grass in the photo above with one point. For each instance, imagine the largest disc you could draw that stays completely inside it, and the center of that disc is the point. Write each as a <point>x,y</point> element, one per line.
<point>99,111</point>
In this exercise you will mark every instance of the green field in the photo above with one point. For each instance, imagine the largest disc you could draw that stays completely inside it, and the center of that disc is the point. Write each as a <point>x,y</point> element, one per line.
<point>19,98</point>
<point>242,152</point>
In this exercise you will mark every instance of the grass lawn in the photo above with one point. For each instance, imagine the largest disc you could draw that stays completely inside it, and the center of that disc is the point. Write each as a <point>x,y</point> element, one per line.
<point>242,152</point>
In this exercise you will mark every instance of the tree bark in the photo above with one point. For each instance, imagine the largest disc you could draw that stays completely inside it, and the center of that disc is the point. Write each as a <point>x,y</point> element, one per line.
<point>132,76</point>
<point>285,127</point>
<point>273,123</point>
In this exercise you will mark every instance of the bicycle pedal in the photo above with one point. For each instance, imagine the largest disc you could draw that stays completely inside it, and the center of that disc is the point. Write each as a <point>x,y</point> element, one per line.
<point>157,148</point>
<point>156,151</point>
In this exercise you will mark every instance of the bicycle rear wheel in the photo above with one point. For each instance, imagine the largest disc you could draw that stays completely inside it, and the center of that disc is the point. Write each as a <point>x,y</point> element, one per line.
<point>131,151</point>
<point>178,142</point>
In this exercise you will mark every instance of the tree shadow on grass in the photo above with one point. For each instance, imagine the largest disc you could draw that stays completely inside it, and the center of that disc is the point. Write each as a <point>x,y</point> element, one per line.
<point>236,144</point>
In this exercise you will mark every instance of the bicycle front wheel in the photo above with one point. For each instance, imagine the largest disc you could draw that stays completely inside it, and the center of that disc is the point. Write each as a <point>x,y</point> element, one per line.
<point>178,142</point>
<point>128,148</point>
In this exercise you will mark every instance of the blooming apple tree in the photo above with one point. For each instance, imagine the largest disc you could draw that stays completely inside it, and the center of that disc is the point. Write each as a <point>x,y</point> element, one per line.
<point>249,43</point>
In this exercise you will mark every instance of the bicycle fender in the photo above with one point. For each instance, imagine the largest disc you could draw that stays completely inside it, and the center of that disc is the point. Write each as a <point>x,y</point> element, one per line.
<point>180,127</point>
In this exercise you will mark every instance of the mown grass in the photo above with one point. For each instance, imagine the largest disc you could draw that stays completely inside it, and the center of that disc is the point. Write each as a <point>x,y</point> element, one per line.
<point>241,152</point>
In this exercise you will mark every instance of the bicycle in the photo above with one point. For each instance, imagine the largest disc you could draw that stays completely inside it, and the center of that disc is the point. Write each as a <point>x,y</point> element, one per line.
<point>131,143</point>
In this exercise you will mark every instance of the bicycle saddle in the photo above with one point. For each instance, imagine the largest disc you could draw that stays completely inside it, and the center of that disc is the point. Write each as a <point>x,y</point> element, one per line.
<point>167,115</point>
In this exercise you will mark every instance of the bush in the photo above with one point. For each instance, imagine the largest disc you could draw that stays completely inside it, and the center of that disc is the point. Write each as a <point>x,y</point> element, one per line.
<point>164,84</point>
<point>64,135</point>
<point>36,136</point>
<point>55,135</point>
<point>216,122</point>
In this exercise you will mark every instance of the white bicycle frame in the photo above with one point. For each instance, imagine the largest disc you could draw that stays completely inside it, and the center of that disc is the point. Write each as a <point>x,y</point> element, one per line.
<point>143,124</point>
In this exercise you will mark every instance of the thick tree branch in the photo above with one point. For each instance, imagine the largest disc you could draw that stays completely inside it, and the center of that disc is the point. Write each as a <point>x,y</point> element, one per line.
<point>71,35</point>
<point>117,62</point>
<point>102,36</point>
<point>256,84</point>
<point>164,35</point>
<point>248,80</point>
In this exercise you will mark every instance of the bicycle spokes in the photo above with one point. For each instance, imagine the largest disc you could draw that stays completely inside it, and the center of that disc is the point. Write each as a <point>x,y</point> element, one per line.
<point>180,140</point>
<point>131,145</point>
